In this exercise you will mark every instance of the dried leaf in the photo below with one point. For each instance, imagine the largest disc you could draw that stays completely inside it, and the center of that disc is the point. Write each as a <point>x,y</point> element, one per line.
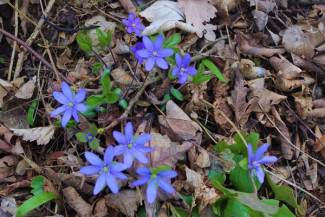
<point>127,201</point>
<point>296,41</point>
<point>241,106</point>
<point>205,194</point>
<point>286,148</point>
<point>7,168</point>
<point>303,102</point>
<point>318,146</point>
<point>260,19</point>
<point>266,97</point>
<point>27,90</point>
<point>5,87</point>
<point>42,135</point>
<point>179,121</point>
<point>165,15</point>
<point>197,12</point>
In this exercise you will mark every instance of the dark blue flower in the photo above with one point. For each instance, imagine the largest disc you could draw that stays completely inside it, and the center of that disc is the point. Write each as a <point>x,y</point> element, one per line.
<point>131,146</point>
<point>154,54</point>
<point>133,25</point>
<point>137,47</point>
<point>182,68</point>
<point>255,161</point>
<point>155,180</point>
<point>71,104</point>
<point>108,170</point>
<point>89,137</point>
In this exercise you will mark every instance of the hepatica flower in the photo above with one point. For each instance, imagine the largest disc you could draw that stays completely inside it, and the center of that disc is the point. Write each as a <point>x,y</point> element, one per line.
<point>155,178</point>
<point>255,161</point>
<point>71,104</point>
<point>108,170</point>
<point>89,136</point>
<point>133,25</point>
<point>132,146</point>
<point>182,69</point>
<point>138,46</point>
<point>154,54</point>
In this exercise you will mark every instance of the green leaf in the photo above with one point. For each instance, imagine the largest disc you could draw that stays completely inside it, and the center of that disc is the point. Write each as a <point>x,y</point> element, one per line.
<point>202,79</point>
<point>102,37</point>
<point>240,178</point>
<point>123,103</point>
<point>253,139</point>
<point>159,169</point>
<point>2,59</point>
<point>198,73</point>
<point>220,204</point>
<point>226,191</point>
<point>81,137</point>
<point>170,74</point>
<point>96,67</point>
<point>214,175</point>
<point>94,144</point>
<point>142,212</point>
<point>177,94</point>
<point>34,202</point>
<point>93,129</point>
<point>239,146</point>
<point>111,98</point>
<point>30,113</point>
<point>171,58</point>
<point>84,42</point>
<point>283,193</point>
<point>214,69</point>
<point>244,163</point>
<point>37,185</point>
<point>172,41</point>
<point>95,99</point>
<point>235,208</point>
<point>106,82</point>
<point>284,212</point>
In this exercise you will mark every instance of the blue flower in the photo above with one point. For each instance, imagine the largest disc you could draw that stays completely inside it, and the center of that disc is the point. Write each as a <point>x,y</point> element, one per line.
<point>137,47</point>
<point>108,170</point>
<point>133,25</point>
<point>255,161</point>
<point>182,68</point>
<point>71,104</point>
<point>89,137</point>
<point>154,54</point>
<point>154,181</point>
<point>132,147</point>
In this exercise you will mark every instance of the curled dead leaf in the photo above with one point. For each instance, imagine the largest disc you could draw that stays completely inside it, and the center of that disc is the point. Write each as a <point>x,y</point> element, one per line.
<point>247,46</point>
<point>77,202</point>
<point>42,135</point>
<point>249,70</point>
<point>303,102</point>
<point>288,70</point>
<point>289,85</point>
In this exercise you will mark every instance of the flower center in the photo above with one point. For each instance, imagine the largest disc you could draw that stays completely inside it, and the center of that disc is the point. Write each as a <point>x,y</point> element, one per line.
<point>255,164</point>
<point>130,145</point>
<point>182,69</point>
<point>154,176</point>
<point>154,53</point>
<point>105,169</point>
<point>70,104</point>
<point>133,25</point>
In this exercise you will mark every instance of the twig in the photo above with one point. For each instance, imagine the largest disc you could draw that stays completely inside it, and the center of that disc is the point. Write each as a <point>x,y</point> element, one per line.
<point>150,80</point>
<point>37,55</point>
<point>303,123</point>
<point>66,29</point>
<point>43,38</point>
<point>30,40</point>
<point>99,58</point>
<point>289,142</point>
<point>14,45</point>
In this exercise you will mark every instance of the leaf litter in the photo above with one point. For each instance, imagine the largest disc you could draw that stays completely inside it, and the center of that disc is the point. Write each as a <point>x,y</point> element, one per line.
<point>271,55</point>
